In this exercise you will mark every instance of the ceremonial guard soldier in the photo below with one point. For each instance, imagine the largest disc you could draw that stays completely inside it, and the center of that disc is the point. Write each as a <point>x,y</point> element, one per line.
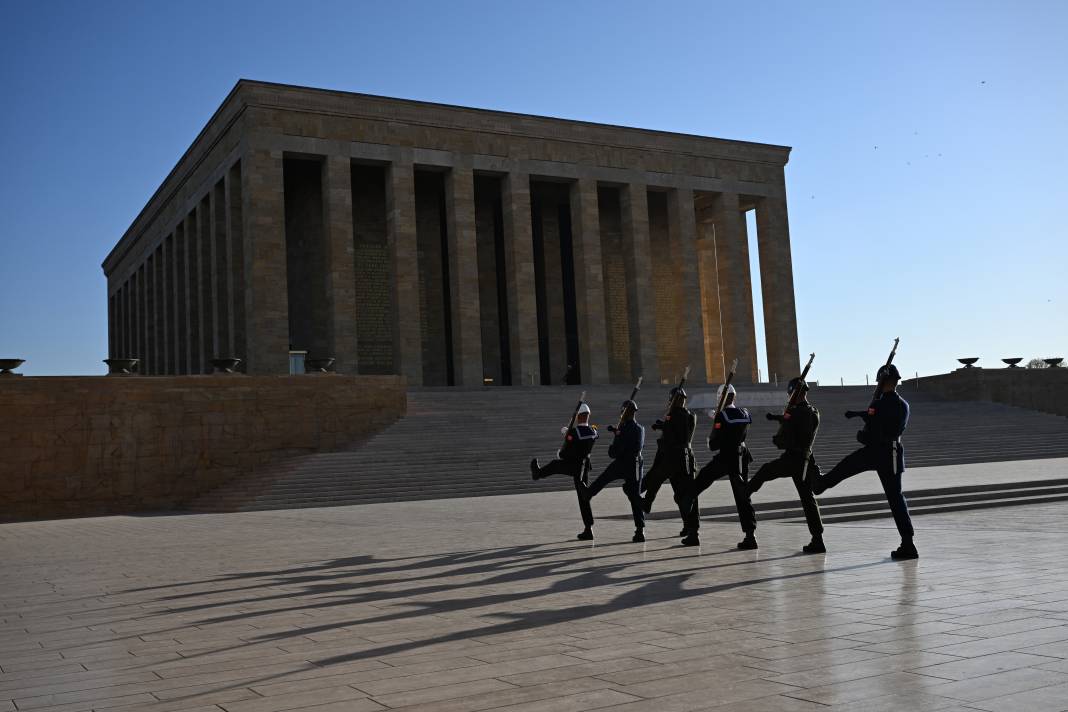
<point>626,465</point>
<point>727,440</point>
<point>674,459</point>
<point>797,432</point>
<point>573,460</point>
<point>884,422</point>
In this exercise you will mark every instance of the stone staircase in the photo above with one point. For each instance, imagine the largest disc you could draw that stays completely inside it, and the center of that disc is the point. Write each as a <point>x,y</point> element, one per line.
<point>471,442</point>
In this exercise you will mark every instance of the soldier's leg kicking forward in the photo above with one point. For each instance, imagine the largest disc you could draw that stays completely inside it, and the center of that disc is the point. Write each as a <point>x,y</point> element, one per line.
<point>736,468</point>
<point>884,422</point>
<point>674,458</point>
<point>797,467</point>
<point>626,465</point>
<point>573,460</point>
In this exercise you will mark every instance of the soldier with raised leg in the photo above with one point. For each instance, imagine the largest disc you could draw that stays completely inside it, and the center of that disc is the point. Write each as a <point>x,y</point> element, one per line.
<point>573,460</point>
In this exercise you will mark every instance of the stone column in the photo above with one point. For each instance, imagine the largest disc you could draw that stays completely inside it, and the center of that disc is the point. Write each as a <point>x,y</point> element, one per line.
<point>206,262</point>
<point>114,335</point>
<point>192,295</point>
<point>735,286</point>
<point>639,266</point>
<point>519,278</point>
<point>777,288</point>
<point>236,278</point>
<point>142,352</point>
<point>220,271</point>
<point>166,339</point>
<point>177,326</point>
<point>340,282</point>
<point>404,249</point>
<point>715,368</point>
<point>589,281</point>
<point>264,247</point>
<point>463,277</point>
<point>682,229</point>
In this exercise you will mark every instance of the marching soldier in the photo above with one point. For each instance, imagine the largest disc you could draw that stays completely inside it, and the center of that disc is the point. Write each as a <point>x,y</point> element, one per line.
<point>732,458</point>
<point>626,465</point>
<point>797,432</point>
<point>674,460</point>
<point>884,422</point>
<point>573,460</point>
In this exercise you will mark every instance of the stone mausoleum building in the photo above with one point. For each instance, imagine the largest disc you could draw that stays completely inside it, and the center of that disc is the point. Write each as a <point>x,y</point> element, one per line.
<point>455,246</point>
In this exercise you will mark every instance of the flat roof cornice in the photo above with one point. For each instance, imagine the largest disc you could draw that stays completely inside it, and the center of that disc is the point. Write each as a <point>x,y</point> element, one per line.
<point>286,97</point>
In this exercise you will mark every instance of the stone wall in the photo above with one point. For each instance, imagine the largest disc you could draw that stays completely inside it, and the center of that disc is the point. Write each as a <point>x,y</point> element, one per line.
<point>1044,389</point>
<point>105,445</point>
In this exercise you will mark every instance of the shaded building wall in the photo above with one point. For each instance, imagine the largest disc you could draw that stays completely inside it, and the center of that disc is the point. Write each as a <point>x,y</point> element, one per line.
<point>433,291</point>
<point>373,272</point>
<point>615,285</point>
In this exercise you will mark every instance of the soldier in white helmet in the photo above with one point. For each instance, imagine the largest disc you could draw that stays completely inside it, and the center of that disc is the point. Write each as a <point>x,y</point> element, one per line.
<point>573,460</point>
<point>731,458</point>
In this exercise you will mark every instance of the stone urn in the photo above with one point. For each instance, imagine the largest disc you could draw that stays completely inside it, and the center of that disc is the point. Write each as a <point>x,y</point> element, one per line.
<point>225,365</point>
<point>121,366</point>
<point>1053,362</point>
<point>318,365</point>
<point>7,365</point>
<point>968,362</point>
<point>1012,362</point>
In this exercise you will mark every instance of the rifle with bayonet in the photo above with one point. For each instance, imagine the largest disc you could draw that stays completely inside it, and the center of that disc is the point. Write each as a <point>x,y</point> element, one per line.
<point>878,385</point>
<point>634,391</point>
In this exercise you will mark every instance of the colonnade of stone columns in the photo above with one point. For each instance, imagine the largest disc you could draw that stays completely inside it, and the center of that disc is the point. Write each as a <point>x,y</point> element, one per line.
<point>183,304</point>
<point>217,284</point>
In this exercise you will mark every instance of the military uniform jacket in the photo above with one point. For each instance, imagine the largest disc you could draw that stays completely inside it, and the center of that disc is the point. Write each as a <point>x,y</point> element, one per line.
<point>676,430</point>
<point>628,442</point>
<point>729,428</point>
<point>797,429</point>
<point>885,421</point>
<point>578,443</point>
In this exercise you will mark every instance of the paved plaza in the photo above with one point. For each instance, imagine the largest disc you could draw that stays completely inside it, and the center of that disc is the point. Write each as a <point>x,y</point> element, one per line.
<point>479,604</point>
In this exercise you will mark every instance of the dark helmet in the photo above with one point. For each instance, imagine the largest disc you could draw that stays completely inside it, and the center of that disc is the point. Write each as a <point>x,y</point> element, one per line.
<point>678,391</point>
<point>888,372</point>
<point>628,404</point>
<point>796,383</point>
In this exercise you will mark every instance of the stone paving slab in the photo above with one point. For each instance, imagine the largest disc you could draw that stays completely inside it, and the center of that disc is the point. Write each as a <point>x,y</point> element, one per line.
<point>488,604</point>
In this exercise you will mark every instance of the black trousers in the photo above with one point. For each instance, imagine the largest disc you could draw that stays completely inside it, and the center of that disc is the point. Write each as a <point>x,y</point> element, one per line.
<point>796,466</point>
<point>580,471</point>
<point>628,471</point>
<point>673,467</point>
<point>736,467</point>
<point>889,462</point>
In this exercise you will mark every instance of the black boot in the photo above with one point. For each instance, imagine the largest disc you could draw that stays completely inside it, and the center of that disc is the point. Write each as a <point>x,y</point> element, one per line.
<point>639,536</point>
<point>815,546</point>
<point>906,551</point>
<point>815,483</point>
<point>647,503</point>
<point>585,535</point>
<point>691,540</point>
<point>684,533</point>
<point>748,543</point>
<point>534,469</point>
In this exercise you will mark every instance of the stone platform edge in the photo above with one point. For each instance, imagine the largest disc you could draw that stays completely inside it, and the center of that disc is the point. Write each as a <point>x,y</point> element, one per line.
<point>91,445</point>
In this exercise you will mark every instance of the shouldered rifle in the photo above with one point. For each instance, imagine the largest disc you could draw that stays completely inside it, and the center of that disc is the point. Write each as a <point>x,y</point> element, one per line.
<point>633,392</point>
<point>671,398</point>
<point>797,392</point>
<point>726,386</point>
<point>878,383</point>
<point>574,417</point>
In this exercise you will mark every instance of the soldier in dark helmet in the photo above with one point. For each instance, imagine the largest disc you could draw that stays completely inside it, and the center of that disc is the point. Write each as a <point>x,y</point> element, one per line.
<point>626,465</point>
<point>884,422</point>
<point>573,460</point>
<point>674,459</point>
<point>797,432</point>
<point>731,458</point>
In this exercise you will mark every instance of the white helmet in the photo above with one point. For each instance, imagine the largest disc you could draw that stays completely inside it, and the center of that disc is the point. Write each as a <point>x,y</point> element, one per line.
<point>584,409</point>
<point>730,391</point>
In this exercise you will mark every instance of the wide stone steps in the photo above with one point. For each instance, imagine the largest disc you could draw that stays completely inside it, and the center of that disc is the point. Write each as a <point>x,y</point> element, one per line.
<point>460,443</point>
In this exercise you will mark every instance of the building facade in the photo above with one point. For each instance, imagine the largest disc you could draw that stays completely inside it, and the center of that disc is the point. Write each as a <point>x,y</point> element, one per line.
<point>454,246</point>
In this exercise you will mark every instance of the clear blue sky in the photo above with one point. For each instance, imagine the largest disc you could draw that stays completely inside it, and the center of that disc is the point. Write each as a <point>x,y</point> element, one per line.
<point>928,183</point>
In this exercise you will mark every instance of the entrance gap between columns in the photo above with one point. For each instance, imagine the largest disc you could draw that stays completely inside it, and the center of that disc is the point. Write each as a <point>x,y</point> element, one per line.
<point>554,278</point>
<point>758,299</point>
